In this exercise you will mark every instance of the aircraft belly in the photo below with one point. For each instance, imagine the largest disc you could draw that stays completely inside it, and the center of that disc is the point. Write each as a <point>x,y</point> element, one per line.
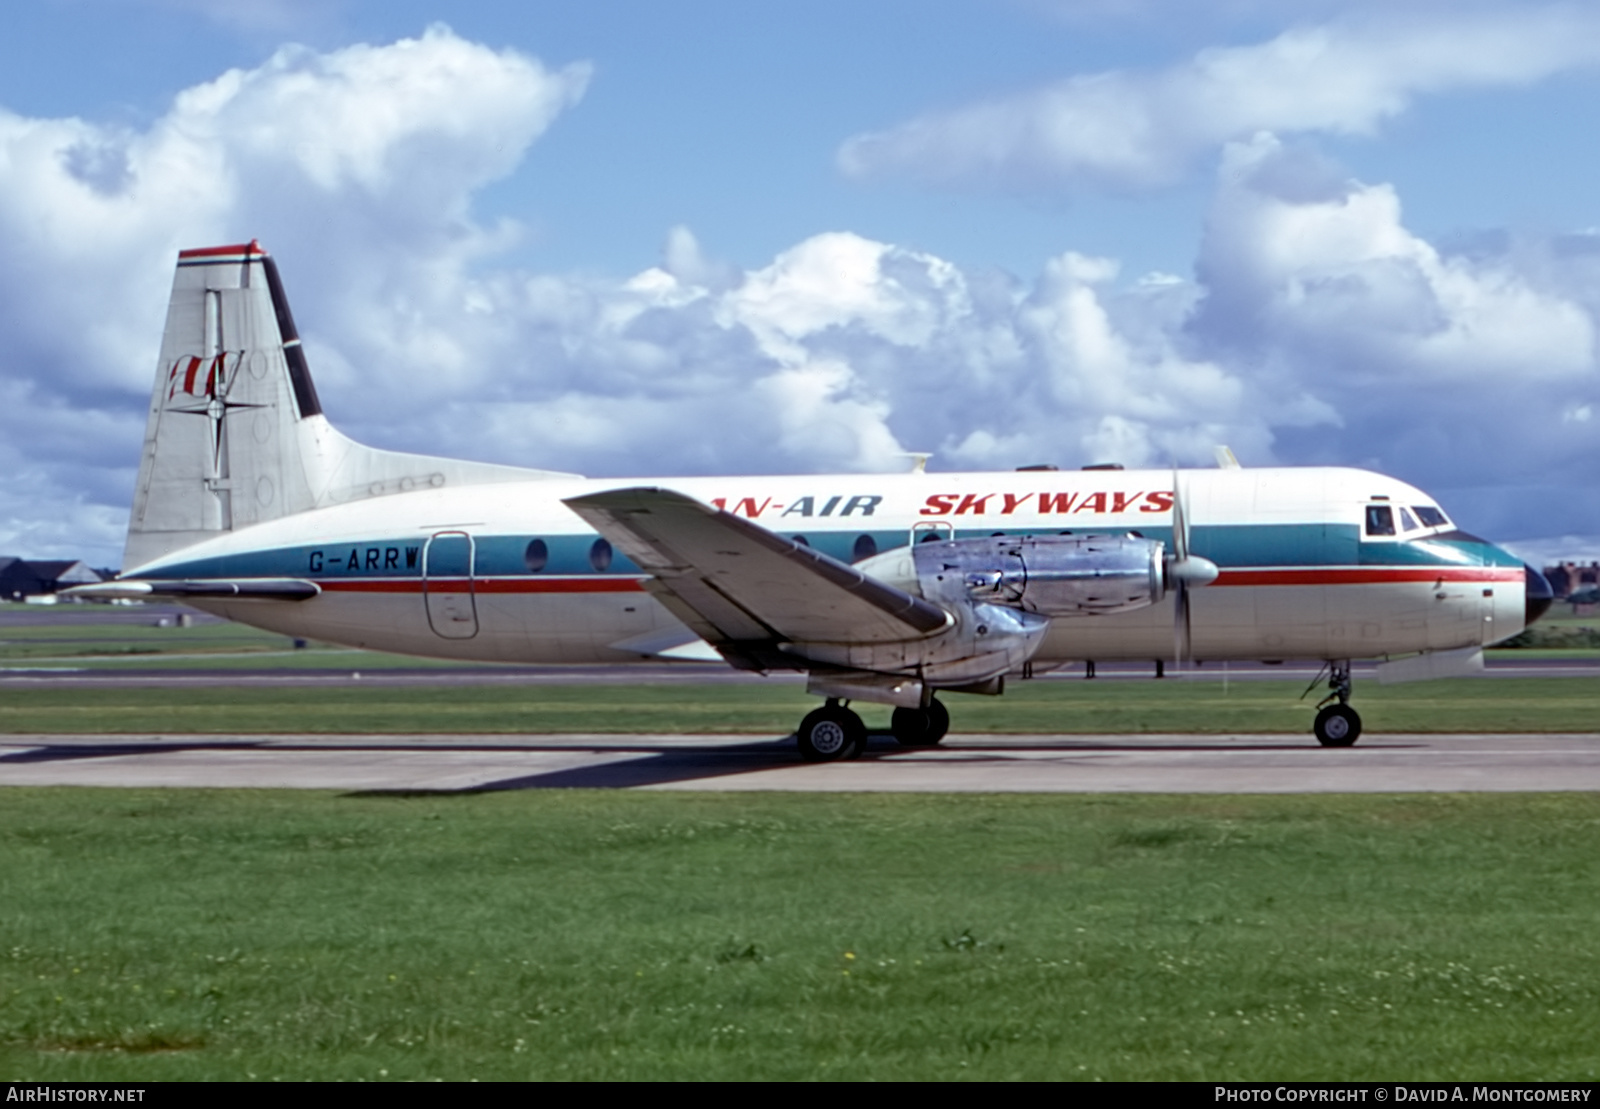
<point>554,628</point>
<point>1292,621</point>
<point>1222,621</point>
<point>512,628</point>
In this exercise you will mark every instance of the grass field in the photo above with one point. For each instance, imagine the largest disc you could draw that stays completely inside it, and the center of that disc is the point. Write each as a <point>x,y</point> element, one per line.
<point>570,934</point>
<point>199,934</point>
<point>1481,705</point>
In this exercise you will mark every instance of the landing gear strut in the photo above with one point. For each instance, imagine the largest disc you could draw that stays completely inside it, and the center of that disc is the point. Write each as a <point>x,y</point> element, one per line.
<point>920,727</point>
<point>1337,725</point>
<point>831,733</point>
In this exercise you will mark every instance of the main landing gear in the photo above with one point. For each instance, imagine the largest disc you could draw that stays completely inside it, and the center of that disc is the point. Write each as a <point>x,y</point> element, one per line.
<point>833,732</point>
<point>1337,725</point>
<point>920,727</point>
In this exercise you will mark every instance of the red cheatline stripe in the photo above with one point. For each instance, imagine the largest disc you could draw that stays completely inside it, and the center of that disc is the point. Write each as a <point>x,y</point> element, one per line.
<point>1370,575</point>
<point>486,585</point>
<point>222,251</point>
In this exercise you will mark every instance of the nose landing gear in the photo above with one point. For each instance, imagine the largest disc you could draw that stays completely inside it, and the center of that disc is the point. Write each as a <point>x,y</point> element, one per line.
<point>1337,725</point>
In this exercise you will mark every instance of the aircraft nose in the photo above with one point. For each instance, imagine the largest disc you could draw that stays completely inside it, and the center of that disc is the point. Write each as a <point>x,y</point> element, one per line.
<point>1537,593</point>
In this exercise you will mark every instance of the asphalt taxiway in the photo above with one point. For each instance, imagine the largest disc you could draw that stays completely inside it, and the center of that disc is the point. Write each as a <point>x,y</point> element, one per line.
<point>968,764</point>
<point>359,670</point>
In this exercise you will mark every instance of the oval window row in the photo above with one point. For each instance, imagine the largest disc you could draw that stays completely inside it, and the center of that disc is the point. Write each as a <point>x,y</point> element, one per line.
<point>536,556</point>
<point>865,546</point>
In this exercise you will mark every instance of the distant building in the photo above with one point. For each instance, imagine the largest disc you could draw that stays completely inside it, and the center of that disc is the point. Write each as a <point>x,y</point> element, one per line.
<point>21,578</point>
<point>1567,578</point>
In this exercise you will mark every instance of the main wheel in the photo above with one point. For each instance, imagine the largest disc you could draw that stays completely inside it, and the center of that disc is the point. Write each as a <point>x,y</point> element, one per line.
<point>1337,726</point>
<point>831,733</point>
<point>920,727</point>
<point>912,727</point>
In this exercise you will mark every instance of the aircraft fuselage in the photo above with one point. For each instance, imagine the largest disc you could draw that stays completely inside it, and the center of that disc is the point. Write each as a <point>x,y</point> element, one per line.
<point>506,572</point>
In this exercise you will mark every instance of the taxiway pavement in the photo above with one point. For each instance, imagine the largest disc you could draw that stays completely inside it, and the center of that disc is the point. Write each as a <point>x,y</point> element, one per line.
<point>56,675</point>
<point>970,763</point>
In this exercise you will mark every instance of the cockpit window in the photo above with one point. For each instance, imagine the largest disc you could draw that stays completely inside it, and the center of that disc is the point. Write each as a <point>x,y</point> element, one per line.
<point>1408,522</point>
<point>1380,520</point>
<point>1431,517</point>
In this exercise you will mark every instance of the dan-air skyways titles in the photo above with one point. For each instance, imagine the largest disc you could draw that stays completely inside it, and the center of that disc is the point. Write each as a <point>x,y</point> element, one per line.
<point>896,589</point>
<point>1102,502</point>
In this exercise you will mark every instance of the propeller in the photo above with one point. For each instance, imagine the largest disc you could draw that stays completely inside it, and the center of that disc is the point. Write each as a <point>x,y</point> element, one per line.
<point>1185,571</point>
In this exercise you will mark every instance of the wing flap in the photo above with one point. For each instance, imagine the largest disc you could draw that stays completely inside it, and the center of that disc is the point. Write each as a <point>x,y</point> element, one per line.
<point>735,582</point>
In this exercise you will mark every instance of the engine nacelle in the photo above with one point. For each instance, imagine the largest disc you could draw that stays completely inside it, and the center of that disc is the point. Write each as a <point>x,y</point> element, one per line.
<point>1000,593</point>
<point>1052,575</point>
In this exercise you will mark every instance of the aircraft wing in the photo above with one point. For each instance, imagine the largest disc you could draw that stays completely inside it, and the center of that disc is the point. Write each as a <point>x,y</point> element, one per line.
<point>275,589</point>
<point>742,588</point>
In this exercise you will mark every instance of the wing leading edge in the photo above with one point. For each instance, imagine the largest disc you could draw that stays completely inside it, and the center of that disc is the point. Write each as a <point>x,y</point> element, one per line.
<point>744,589</point>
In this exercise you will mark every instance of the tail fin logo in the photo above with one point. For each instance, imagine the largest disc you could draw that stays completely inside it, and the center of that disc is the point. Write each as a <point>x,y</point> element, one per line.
<point>208,380</point>
<point>185,376</point>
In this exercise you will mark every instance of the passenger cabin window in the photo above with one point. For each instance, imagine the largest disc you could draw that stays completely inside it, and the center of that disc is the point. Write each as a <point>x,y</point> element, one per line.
<point>1431,517</point>
<point>1380,520</point>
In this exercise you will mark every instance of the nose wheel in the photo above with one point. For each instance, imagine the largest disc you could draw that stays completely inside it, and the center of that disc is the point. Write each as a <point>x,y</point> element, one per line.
<point>831,733</point>
<point>1337,725</point>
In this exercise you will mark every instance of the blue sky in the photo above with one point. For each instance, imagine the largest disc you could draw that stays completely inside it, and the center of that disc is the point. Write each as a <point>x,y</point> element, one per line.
<point>656,237</point>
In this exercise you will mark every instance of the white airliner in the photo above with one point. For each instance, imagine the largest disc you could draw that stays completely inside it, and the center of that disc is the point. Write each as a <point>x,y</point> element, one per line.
<point>881,588</point>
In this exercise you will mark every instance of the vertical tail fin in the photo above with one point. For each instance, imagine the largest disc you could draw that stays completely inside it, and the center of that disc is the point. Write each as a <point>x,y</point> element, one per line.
<point>236,434</point>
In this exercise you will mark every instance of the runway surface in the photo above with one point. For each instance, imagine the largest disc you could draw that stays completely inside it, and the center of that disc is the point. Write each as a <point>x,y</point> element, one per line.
<point>998,764</point>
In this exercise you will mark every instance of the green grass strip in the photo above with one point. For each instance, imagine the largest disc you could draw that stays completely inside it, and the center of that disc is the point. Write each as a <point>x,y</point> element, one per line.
<point>197,934</point>
<point>1072,706</point>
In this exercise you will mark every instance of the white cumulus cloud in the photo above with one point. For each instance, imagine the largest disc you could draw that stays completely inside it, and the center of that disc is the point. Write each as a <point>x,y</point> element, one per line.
<point>1317,327</point>
<point>1457,371</point>
<point>1123,130</point>
<point>363,158</point>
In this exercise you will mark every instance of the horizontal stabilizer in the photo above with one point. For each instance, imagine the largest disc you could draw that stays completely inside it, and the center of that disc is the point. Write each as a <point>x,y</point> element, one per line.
<point>742,588</point>
<point>274,589</point>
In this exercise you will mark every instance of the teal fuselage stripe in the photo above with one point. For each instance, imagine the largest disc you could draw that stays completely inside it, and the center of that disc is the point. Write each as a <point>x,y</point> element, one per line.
<point>1232,546</point>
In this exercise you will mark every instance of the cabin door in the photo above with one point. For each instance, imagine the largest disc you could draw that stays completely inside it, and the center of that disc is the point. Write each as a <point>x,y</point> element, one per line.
<point>447,586</point>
